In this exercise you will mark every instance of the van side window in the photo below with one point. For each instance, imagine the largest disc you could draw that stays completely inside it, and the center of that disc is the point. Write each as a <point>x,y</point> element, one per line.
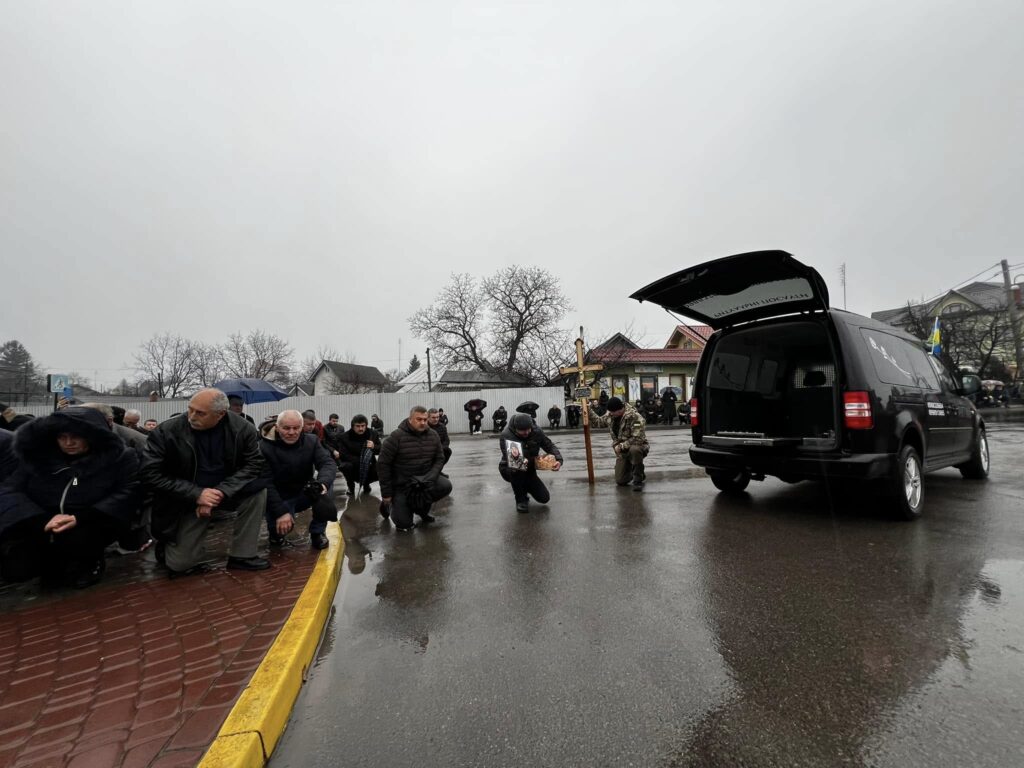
<point>943,374</point>
<point>891,358</point>
<point>925,373</point>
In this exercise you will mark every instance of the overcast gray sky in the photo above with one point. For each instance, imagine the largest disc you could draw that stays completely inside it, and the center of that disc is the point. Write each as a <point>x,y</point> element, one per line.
<point>318,169</point>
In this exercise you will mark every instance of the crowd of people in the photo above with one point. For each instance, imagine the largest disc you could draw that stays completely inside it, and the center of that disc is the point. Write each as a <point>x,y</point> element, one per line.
<point>89,478</point>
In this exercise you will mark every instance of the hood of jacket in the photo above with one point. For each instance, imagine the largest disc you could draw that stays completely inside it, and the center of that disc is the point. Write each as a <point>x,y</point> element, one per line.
<point>36,442</point>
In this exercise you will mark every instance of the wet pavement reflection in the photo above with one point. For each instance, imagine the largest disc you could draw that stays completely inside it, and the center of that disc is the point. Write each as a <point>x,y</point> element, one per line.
<point>676,627</point>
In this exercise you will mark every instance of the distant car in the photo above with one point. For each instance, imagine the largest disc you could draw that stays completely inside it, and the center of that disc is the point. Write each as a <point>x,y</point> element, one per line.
<point>789,387</point>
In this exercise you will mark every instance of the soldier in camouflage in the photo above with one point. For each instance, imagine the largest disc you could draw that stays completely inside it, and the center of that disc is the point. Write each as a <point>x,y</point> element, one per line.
<point>629,441</point>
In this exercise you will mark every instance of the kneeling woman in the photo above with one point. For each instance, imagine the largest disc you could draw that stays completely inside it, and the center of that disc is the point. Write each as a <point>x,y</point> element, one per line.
<point>74,491</point>
<point>521,443</point>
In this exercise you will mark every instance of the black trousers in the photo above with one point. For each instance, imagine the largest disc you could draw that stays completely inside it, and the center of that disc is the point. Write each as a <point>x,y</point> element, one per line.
<point>402,512</point>
<point>27,551</point>
<point>526,484</point>
<point>350,470</point>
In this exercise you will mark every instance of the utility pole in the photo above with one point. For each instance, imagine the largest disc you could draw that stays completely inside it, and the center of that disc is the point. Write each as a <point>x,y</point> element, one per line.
<point>842,279</point>
<point>1011,306</point>
<point>582,395</point>
<point>430,387</point>
<point>399,355</point>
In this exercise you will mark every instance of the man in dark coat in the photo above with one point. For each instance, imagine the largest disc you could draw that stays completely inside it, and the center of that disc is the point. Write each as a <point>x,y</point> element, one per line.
<point>668,406</point>
<point>290,457</point>
<point>410,471</point>
<point>434,421</point>
<point>332,432</point>
<point>198,462</point>
<point>74,491</point>
<point>500,418</point>
<point>376,424</point>
<point>521,444</point>
<point>554,416</point>
<point>358,449</point>
<point>237,405</point>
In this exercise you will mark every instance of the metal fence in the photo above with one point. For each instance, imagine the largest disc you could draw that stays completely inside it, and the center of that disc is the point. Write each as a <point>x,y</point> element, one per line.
<point>392,407</point>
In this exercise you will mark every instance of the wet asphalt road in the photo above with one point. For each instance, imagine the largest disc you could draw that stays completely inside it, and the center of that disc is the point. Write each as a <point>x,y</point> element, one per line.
<point>675,627</point>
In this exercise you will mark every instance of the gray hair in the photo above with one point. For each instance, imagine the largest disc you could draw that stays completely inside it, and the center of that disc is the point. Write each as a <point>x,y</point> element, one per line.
<point>219,403</point>
<point>133,412</point>
<point>294,414</point>
<point>417,409</point>
<point>431,411</point>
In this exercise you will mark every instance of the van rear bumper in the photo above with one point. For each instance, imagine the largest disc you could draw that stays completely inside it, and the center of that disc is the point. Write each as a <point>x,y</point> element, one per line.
<point>858,466</point>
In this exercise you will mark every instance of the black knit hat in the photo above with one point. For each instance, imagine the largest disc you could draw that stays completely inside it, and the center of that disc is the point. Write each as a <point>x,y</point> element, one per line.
<point>521,421</point>
<point>614,404</point>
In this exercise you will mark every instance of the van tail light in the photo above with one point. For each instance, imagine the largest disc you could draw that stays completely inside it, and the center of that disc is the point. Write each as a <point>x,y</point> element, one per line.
<point>857,410</point>
<point>693,413</point>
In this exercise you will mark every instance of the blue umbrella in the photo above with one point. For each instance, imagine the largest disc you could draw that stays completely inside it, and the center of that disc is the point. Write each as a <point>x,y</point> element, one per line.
<point>252,390</point>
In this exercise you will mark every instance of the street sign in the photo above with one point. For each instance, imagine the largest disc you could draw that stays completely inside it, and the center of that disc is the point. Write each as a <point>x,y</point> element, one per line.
<point>58,381</point>
<point>582,393</point>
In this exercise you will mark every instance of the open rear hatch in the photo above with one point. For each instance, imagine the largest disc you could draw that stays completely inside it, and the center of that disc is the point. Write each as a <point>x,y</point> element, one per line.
<point>741,288</point>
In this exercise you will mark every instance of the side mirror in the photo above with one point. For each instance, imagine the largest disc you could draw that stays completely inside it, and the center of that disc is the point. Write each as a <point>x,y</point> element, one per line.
<point>969,384</point>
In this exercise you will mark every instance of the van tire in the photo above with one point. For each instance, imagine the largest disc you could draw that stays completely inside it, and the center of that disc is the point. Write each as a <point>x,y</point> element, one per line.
<point>976,468</point>
<point>731,482</point>
<point>906,488</point>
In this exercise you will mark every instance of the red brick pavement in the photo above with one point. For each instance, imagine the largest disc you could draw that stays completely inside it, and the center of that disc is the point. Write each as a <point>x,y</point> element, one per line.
<point>136,672</point>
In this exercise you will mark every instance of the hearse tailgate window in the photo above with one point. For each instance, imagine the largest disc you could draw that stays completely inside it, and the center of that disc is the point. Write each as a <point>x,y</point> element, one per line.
<point>729,371</point>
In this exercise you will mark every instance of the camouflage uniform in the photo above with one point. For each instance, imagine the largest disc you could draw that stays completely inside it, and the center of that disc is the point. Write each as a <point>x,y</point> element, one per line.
<point>629,439</point>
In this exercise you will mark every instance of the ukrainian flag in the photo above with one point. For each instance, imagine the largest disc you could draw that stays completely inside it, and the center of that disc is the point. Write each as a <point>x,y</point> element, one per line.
<point>936,339</point>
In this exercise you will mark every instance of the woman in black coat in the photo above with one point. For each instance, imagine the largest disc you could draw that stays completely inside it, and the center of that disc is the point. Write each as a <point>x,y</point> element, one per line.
<point>74,491</point>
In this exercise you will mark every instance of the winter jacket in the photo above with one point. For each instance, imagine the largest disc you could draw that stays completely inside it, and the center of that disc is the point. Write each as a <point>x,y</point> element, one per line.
<point>132,438</point>
<point>332,433</point>
<point>287,468</point>
<point>169,467</point>
<point>101,485</point>
<point>407,454</point>
<point>532,445</point>
<point>554,414</point>
<point>629,431</point>
<point>442,432</point>
<point>351,445</point>
<point>8,461</point>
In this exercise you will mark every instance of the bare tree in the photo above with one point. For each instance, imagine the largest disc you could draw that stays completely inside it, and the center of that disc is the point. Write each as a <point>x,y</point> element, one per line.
<point>170,361</point>
<point>979,339</point>
<point>507,322</point>
<point>208,365</point>
<point>257,355</point>
<point>454,325</point>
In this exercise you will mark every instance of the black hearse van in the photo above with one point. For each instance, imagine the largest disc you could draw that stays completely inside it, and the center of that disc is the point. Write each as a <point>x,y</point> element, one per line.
<point>789,387</point>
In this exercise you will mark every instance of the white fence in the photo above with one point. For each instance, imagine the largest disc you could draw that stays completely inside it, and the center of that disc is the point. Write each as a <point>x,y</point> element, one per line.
<point>392,407</point>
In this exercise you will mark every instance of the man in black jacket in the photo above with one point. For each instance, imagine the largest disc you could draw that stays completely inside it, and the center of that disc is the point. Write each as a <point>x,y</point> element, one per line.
<point>521,443</point>
<point>8,462</point>
<point>332,433</point>
<point>554,416</point>
<point>73,492</point>
<point>358,449</point>
<point>434,422</point>
<point>290,456</point>
<point>410,471</point>
<point>198,462</point>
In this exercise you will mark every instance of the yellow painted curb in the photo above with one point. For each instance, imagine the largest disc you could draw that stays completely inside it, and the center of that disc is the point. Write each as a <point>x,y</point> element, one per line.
<point>256,722</point>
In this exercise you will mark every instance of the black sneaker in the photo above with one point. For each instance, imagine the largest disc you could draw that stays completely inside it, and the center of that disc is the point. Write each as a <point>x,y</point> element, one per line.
<point>523,506</point>
<point>254,563</point>
<point>638,484</point>
<point>318,541</point>
<point>279,542</point>
<point>427,519</point>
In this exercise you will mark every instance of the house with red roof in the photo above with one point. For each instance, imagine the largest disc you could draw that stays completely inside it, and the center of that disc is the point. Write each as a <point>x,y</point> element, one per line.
<point>634,373</point>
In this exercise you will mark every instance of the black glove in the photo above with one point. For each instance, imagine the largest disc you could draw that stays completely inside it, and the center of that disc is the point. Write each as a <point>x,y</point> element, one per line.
<point>312,490</point>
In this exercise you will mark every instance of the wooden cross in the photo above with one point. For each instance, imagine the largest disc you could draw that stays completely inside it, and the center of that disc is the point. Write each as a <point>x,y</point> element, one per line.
<point>581,369</point>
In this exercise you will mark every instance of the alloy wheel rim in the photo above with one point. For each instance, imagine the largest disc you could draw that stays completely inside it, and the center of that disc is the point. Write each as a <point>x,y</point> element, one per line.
<point>983,450</point>
<point>912,482</point>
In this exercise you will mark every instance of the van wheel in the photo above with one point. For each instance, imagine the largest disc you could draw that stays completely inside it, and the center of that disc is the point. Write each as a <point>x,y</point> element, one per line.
<point>907,489</point>
<point>976,468</point>
<point>731,482</point>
